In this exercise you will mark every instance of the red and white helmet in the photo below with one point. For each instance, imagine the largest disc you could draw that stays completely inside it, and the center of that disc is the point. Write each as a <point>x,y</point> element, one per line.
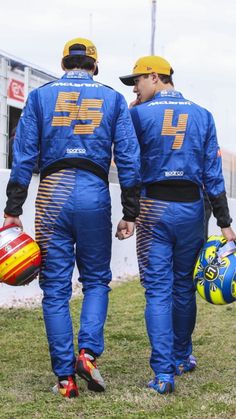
<point>20,257</point>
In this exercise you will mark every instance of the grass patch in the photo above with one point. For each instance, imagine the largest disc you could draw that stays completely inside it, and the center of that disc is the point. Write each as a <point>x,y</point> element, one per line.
<point>26,377</point>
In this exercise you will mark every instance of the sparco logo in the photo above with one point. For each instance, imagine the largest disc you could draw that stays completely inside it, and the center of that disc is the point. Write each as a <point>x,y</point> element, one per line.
<point>211,272</point>
<point>174,173</point>
<point>76,151</point>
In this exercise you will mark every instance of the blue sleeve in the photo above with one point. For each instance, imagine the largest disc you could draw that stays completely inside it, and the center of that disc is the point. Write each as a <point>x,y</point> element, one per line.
<point>26,142</point>
<point>136,121</point>
<point>126,147</point>
<point>212,175</point>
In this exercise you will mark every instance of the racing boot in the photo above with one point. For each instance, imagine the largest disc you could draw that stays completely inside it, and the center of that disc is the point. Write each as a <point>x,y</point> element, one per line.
<point>163,383</point>
<point>183,366</point>
<point>67,387</point>
<point>86,368</point>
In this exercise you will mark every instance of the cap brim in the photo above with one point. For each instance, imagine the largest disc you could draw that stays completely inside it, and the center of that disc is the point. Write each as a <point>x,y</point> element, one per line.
<point>129,80</point>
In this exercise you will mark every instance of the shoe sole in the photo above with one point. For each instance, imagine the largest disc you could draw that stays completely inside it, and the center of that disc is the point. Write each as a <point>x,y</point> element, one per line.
<point>92,384</point>
<point>167,390</point>
<point>73,394</point>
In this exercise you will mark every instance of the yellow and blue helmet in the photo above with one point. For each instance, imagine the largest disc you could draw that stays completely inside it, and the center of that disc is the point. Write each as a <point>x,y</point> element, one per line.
<point>215,271</point>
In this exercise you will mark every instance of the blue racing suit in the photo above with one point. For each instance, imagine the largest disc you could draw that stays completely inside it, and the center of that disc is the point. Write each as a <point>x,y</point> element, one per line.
<point>71,125</point>
<point>179,154</point>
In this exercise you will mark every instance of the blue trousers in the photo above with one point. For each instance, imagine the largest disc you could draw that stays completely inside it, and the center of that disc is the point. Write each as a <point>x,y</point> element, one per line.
<point>73,224</point>
<point>169,237</point>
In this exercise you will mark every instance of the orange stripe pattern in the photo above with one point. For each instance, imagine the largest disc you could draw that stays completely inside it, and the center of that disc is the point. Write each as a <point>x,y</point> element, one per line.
<point>151,212</point>
<point>53,194</point>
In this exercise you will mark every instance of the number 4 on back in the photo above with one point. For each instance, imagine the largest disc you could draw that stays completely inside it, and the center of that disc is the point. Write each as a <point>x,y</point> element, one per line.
<point>178,132</point>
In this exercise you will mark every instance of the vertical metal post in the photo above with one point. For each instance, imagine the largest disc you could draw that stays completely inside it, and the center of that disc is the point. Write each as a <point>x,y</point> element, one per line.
<point>91,25</point>
<point>153,28</point>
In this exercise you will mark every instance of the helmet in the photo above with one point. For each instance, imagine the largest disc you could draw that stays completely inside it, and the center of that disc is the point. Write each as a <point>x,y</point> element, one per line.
<point>215,271</point>
<point>19,256</point>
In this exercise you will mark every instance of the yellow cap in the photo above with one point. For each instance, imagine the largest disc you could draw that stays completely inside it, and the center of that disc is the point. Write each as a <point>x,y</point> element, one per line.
<point>70,48</point>
<point>147,65</point>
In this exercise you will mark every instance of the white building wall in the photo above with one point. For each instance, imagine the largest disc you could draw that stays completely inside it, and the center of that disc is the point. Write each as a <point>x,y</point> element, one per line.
<point>3,113</point>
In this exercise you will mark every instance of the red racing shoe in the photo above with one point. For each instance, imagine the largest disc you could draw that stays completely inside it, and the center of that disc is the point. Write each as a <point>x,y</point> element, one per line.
<point>66,387</point>
<point>86,368</point>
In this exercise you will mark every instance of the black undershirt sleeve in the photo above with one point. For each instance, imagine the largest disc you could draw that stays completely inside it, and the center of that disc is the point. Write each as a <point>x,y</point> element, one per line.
<point>221,210</point>
<point>16,195</point>
<point>130,202</point>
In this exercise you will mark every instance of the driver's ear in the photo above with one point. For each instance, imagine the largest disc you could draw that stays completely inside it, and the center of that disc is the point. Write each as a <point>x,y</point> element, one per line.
<point>95,72</point>
<point>155,77</point>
